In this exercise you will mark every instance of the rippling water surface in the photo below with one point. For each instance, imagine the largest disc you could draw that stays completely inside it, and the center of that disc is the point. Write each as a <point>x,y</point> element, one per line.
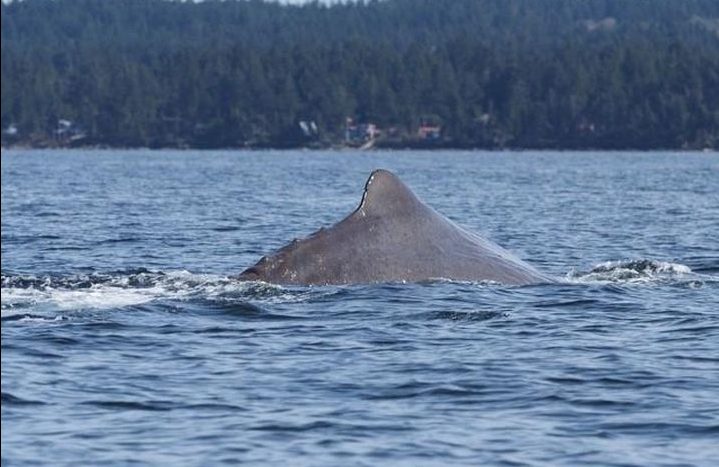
<point>125,339</point>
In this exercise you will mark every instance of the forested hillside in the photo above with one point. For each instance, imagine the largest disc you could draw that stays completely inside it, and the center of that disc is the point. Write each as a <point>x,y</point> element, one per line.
<point>485,73</point>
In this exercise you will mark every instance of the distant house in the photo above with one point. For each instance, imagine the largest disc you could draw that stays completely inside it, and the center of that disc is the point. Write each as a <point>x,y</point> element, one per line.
<point>585,126</point>
<point>309,129</point>
<point>10,134</point>
<point>605,24</point>
<point>360,133</point>
<point>11,130</point>
<point>427,132</point>
<point>68,131</point>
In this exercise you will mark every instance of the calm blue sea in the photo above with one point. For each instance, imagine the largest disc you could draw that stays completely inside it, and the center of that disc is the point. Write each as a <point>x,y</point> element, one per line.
<point>126,340</point>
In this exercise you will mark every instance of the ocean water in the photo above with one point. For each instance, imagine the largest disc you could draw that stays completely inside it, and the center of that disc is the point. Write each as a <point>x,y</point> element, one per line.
<point>126,340</point>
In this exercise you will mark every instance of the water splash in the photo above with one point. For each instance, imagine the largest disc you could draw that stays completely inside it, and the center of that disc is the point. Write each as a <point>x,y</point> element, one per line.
<point>98,291</point>
<point>633,271</point>
<point>50,297</point>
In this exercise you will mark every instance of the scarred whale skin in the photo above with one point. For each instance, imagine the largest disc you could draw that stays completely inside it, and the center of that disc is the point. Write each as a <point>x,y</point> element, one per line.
<point>391,237</point>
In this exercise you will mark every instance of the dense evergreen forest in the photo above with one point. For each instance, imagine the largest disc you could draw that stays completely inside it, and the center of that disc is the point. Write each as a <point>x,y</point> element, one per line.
<point>471,73</point>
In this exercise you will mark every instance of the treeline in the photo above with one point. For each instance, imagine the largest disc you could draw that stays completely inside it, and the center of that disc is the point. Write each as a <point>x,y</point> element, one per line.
<point>490,73</point>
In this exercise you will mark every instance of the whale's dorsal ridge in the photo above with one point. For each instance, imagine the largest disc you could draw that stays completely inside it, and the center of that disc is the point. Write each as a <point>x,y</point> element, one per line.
<point>391,236</point>
<point>385,194</point>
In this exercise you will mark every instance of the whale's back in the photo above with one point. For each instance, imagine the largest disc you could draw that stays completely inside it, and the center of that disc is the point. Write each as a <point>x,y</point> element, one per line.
<point>392,236</point>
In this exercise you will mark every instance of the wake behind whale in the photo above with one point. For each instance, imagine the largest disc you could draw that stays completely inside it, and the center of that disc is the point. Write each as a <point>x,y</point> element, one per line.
<point>392,237</point>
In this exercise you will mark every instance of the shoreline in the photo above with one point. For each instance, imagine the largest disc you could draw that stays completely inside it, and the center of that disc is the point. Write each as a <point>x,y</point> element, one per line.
<point>355,150</point>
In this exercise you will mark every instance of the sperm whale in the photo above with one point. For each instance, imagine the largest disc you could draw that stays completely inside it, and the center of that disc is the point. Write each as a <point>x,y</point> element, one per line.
<point>392,236</point>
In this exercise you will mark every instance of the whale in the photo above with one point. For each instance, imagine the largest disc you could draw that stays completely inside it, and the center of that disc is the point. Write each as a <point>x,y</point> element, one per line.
<point>391,237</point>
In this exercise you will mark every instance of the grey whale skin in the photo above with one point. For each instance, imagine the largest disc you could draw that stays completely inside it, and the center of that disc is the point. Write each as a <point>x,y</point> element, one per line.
<point>391,237</point>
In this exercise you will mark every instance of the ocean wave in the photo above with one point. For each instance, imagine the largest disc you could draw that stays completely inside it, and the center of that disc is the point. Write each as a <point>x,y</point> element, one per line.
<point>59,294</point>
<point>636,270</point>
<point>53,297</point>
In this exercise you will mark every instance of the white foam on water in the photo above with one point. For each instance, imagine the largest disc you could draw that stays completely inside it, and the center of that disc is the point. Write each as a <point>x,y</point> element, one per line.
<point>35,319</point>
<point>98,297</point>
<point>99,292</point>
<point>114,292</point>
<point>632,271</point>
<point>19,301</point>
